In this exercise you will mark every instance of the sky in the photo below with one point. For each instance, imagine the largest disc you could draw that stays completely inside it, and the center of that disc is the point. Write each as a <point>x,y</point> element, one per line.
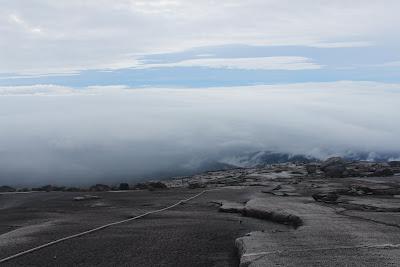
<point>96,89</point>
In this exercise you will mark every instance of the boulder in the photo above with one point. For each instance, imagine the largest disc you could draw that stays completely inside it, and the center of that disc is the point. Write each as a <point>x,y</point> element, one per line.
<point>334,167</point>
<point>333,161</point>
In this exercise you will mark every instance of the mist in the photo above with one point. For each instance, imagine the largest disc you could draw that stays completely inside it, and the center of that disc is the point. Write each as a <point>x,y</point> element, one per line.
<point>69,136</point>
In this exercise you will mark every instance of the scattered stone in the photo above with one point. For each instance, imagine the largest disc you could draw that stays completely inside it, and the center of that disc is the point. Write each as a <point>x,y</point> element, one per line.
<point>330,197</point>
<point>5,188</point>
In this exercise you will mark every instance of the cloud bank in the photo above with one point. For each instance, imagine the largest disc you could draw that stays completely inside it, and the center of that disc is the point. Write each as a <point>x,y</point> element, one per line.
<point>53,134</point>
<point>66,36</point>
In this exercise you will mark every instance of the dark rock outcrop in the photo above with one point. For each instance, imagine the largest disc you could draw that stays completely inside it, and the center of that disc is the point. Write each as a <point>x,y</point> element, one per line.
<point>6,188</point>
<point>99,188</point>
<point>260,208</point>
<point>382,172</point>
<point>335,171</point>
<point>311,168</point>
<point>123,186</point>
<point>49,188</point>
<point>157,185</point>
<point>231,207</point>
<point>195,185</point>
<point>394,163</point>
<point>150,186</point>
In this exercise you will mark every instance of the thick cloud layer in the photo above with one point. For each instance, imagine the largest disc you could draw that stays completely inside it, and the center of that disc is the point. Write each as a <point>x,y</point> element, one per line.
<point>62,135</point>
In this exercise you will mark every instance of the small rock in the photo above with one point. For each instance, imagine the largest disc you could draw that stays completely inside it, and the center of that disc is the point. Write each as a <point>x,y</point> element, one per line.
<point>330,197</point>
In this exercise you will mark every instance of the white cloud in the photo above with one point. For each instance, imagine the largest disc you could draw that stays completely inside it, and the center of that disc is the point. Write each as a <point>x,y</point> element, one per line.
<point>259,63</point>
<point>24,25</point>
<point>40,89</point>
<point>58,36</point>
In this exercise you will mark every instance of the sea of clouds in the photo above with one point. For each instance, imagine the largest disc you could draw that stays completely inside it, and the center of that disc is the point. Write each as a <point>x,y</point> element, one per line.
<point>62,135</point>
